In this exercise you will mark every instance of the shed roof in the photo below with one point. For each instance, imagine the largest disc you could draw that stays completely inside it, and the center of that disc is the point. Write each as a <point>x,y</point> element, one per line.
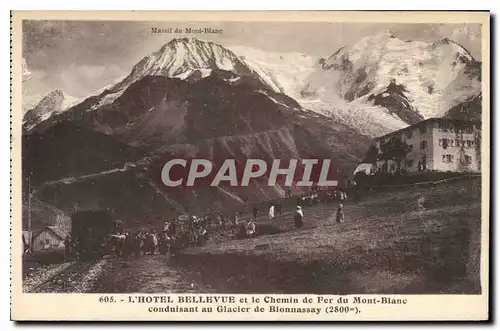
<point>57,231</point>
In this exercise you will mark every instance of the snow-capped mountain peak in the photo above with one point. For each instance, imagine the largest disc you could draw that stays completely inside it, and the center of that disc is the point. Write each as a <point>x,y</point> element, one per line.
<point>184,58</point>
<point>181,57</point>
<point>413,79</point>
<point>460,52</point>
<point>55,102</point>
<point>63,100</point>
<point>190,53</point>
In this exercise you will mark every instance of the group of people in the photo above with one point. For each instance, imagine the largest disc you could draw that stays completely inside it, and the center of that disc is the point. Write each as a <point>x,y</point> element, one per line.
<point>274,210</point>
<point>244,228</point>
<point>328,196</point>
<point>298,217</point>
<point>176,234</point>
<point>187,230</point>
<point>128,244</point>
<point>309,199</point>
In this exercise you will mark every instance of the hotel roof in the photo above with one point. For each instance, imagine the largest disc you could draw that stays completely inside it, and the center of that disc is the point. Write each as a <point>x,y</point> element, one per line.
<point>432,119</point>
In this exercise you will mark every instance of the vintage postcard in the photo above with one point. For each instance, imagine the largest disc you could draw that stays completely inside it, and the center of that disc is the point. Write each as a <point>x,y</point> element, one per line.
<point>256,166</point>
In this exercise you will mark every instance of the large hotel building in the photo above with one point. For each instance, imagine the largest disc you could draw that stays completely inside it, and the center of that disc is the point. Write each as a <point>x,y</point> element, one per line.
<point>436,144</point>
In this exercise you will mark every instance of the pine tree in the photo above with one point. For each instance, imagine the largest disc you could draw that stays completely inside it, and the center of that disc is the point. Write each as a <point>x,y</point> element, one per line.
<point>371,155</point>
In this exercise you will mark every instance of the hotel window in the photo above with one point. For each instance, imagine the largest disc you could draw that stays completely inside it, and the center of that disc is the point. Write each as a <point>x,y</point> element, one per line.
<point>409,134</point>
<point>410,148</point>
<point>470,143</point>
<point>467,158</point>
<point>443,127</point>
<point>447,158</point>
<point>423,144</point>
<point>445,143</point>
<point>468,129</point>
<point>457,142</point>
<point>423,129</point>
<point>452,143</point>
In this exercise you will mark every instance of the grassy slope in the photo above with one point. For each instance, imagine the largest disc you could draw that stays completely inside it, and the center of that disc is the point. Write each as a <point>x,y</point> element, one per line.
<point>386,245</point>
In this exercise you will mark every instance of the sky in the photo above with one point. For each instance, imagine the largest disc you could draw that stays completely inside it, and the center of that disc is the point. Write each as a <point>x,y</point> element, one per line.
<point>82,57</point>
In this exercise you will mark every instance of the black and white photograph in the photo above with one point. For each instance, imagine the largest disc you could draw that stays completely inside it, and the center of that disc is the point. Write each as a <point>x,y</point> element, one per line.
<point>241,157</point>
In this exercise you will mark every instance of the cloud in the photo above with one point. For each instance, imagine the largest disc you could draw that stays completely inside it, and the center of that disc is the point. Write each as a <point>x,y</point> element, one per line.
<point>26,74</point>
<point>82,80</point>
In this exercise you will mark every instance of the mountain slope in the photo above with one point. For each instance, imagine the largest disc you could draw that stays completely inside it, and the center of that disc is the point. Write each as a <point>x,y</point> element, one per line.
<point>117,142</point>
<point>68,150</point>
<point>156,114</point>
<point>285,72</point>
<point>469,110</point>
<point>181,58</point>
<point>43,214</point>
<point>218,120</point>
<point>366,119</point>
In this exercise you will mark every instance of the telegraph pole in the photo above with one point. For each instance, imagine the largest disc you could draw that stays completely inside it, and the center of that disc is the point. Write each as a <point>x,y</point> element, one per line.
<point>30,237</point>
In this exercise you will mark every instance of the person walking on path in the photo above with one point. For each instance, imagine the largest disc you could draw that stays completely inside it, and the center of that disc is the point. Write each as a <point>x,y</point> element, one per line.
<point>278,208</point>
<point>299,218</point>
<point>67,247</point>
<point>340,214</point>
<point>271,212</point>
<point>251,229</point>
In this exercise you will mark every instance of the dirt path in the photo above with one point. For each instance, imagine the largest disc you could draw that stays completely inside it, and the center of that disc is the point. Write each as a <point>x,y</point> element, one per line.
<point>36,277</point>
<point>148,274</point>
<point>386,245</point>
<point>77,277</point>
